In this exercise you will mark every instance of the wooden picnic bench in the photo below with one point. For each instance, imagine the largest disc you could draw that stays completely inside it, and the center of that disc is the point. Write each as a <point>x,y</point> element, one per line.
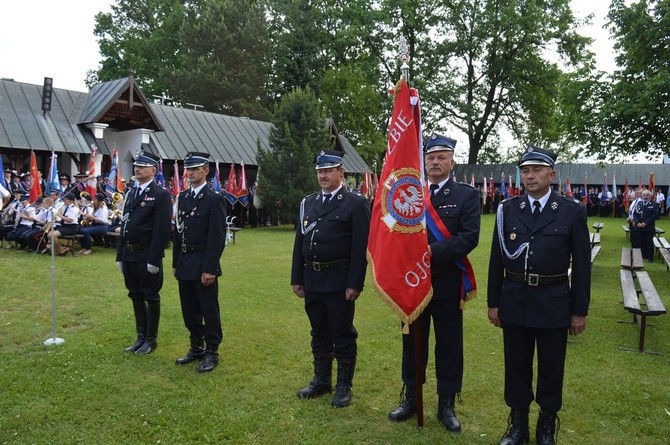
<point>594,238</point>
<point>633,285</point>
<point>665,254</point>
<point>660,243</point>
<point>595,250</point>
<point>659,231</point>
<point>626,229</point>
<point>598,226</point>
<point>631,259</point>
<point>68,241</point>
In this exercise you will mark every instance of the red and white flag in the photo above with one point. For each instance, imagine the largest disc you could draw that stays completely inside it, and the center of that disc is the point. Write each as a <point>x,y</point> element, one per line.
<point>398,241</point>
<point>91,181</point>
<point>366,187</point>
<point>175,179</point>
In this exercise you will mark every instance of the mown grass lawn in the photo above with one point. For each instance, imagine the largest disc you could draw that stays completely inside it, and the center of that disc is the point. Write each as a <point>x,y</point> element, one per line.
<point>87,391</point>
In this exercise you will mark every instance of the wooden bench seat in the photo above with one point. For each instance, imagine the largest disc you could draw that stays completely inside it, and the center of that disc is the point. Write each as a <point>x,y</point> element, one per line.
<point>636,284</point>
<point>659,231</point>
<point>665,254</point>
<point>68,241</point>
<point>595,239</point>
<point>626,229</point>
<point>594,252</point>
<point>631,259</point>
<point>598,226</point>
<point>660,243</point>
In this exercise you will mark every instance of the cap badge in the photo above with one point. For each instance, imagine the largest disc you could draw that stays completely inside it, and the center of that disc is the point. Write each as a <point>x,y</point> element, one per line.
<point>530,150</point>
<point>512,236</point>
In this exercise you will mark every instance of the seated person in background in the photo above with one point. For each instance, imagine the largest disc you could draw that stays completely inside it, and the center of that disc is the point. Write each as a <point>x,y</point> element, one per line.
<point>68,217</point>
<point>85,207</point>
<point>31,237</point>
<point>9,216</point>
<point>95,223</point>
<point>25,219</point>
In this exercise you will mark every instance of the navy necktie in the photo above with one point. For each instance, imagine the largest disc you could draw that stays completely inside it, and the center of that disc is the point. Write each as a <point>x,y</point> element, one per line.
<point>536,211</point>
<point>326,199</point>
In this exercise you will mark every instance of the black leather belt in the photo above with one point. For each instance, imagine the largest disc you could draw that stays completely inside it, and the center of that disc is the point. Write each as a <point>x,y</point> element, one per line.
<point>136,246</point>
<point>533,279</point>
<point>189,248</point>
<point>327,265</point>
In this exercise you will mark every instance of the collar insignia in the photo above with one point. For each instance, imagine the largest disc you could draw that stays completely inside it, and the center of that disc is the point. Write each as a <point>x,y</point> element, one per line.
<point>554,205</point>
<point>522,205</point>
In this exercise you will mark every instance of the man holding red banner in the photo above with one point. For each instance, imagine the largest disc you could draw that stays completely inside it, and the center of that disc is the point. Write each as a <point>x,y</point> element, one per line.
<point>328,271</point>
<point>453,221</point>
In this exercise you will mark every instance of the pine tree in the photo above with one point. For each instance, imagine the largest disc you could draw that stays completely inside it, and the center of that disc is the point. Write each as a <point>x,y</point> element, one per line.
<point>299,132</point>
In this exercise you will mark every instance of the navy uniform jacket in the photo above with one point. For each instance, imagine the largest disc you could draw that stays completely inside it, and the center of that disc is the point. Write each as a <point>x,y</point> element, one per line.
<point>458,206</point>
<point>559,236</point>
<point>147,220</point>
<point>204,224</point>
<point>646,212</point>
<point>340,232</point>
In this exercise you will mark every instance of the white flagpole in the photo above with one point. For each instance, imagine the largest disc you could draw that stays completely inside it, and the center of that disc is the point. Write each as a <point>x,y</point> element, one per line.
<point>53,340</point>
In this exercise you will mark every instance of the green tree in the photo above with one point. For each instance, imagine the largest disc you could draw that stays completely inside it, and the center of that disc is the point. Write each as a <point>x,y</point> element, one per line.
<point>635,116</point>
<point>142,35</point>
<point>208,52</point>
<point>483,66</point>
<point>225,50</point>
<point>358,109</point>
<point>287,169</point>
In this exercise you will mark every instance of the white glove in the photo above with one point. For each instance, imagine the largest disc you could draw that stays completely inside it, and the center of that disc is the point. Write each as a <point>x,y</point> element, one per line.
<point>153,270</point>
<point>119,264</point>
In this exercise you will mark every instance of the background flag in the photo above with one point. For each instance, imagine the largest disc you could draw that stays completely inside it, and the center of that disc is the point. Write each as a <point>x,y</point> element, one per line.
<point>365,187</point>
<point>242,191</point>
<point>176,187</point>
<point>484,192</point>
<point>568,188</point>
<point>398,222</point>
<point>160,179</point>
<point>53,183</point>
<point>217,179</point>
<point>626,199</point>
<point>585,191</point>
<point>184,181</point>
<point>91,181</point>
<point>36,187</point>
<point>111,186</point>
<point>230,192</point>
<point>651,184</point>
<point>2,175</point>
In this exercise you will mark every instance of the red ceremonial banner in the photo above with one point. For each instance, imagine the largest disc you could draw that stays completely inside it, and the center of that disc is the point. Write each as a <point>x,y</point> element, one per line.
<point>36,187</point>
<point>91,181</point>
<point>398,241</point>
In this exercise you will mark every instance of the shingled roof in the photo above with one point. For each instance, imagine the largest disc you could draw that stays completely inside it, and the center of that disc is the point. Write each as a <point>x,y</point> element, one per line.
<point>177,130</point>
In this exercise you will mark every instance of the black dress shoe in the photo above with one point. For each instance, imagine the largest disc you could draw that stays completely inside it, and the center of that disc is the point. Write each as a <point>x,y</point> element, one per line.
<point>209,362</point>
<point>191,356</point>
<point>135,346</point>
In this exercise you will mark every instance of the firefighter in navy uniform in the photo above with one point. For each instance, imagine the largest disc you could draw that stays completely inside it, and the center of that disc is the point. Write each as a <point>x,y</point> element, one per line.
<point>537,237</point>
<point>458,206</point>
<point>644,217</point>
<point>145,233</point>
<point>328,271</point>
<point>199,240</point>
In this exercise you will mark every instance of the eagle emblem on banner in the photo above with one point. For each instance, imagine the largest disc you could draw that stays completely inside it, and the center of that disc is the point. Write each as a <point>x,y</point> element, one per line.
<point>402,203</point>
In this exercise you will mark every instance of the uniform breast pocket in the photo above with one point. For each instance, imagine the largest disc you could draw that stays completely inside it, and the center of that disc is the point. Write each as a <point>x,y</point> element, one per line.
<point>558,236</point>
<point>338,218</point>
<point>448,211</point>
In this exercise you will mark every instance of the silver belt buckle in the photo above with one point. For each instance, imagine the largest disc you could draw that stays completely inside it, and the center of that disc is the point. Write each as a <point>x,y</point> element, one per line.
<point>533,279</point>
<point>316,266</point>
